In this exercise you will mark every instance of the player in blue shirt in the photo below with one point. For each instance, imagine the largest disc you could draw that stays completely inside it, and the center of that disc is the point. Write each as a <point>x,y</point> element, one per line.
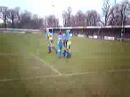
<point>59,45</point>
<point>67,43</point>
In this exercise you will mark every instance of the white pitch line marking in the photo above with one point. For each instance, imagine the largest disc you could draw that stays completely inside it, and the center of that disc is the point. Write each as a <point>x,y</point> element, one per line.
<point>64,75</point>
<point>50,66</point>
<point>38,58</point>
<point>28,78</point>
<point>108,71</point>
<point>8,54</point>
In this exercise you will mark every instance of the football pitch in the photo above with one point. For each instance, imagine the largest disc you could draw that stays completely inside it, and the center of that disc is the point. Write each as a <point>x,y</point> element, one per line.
<point>98,68</point>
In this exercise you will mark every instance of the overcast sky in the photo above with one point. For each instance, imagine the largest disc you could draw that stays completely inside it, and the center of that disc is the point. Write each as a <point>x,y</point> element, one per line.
<point>56,7</point>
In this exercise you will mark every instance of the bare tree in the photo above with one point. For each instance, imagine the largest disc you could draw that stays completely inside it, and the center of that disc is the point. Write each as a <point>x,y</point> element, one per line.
<point>92,18</point>
<point>52,21</point>
<point>67,17</point>
<point>13,15</point>
<point>106,9</point>
<point>3,10</point>
<point>13,18</point>
<point>125,12</point>
<point>73,21</point>
<point>80,18</point>
<point>120,14</point>
<point>115,16</point>
<point>36,22</point>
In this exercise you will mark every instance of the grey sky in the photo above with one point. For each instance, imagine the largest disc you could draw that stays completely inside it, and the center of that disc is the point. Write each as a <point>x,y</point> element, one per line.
<point>56,7</point>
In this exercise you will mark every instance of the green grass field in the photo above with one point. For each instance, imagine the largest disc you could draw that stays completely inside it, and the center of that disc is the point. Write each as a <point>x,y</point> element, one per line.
<point>98,68</point>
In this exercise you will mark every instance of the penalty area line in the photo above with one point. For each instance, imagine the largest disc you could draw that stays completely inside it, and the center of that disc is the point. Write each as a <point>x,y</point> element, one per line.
<point>63,75</point>
<point>8,54</point>
<point>50,66</point>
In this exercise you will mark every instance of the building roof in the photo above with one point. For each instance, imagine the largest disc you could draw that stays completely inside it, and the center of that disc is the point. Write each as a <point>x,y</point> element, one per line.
<point>89,27</point>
